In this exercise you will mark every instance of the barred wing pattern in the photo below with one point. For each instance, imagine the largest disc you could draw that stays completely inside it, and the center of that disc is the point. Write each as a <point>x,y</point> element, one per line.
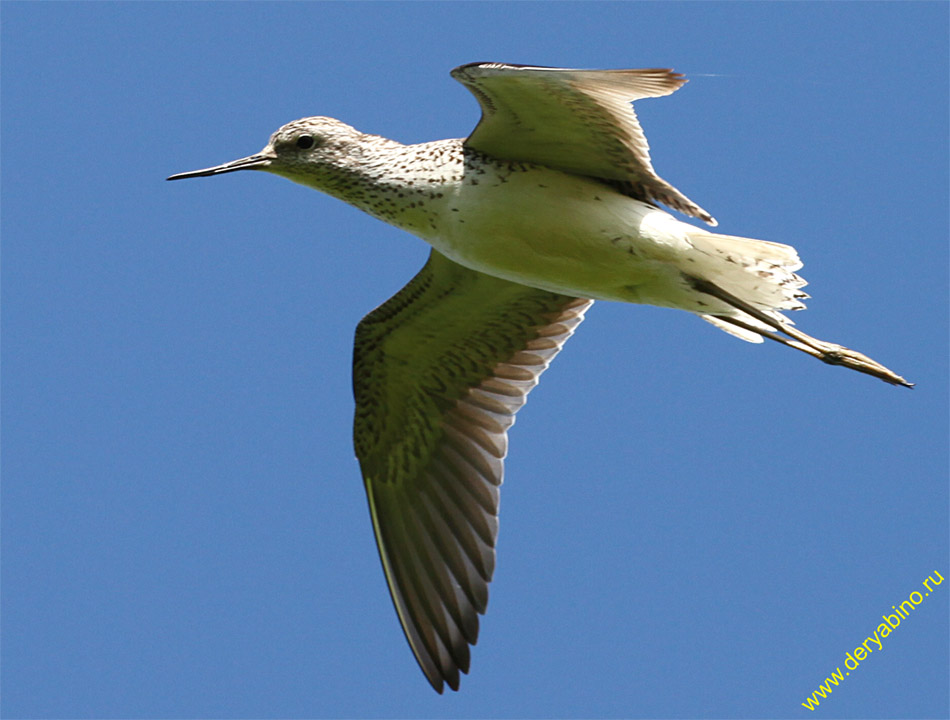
<point>578,121</point>
<point>439,372</point>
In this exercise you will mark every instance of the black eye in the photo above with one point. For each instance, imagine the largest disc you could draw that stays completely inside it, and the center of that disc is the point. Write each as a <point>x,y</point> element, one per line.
<point>305,142</point>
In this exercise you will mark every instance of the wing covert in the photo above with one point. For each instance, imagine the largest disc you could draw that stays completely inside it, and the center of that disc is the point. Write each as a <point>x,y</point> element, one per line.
<point>439,372</point>
<point>578,121</point>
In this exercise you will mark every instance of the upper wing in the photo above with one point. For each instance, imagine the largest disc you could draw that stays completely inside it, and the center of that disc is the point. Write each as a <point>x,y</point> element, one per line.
<point>579,121</point>
<point>439,372</point>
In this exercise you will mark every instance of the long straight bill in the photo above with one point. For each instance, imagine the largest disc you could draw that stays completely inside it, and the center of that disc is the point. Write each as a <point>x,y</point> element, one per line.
<point>252,162</point>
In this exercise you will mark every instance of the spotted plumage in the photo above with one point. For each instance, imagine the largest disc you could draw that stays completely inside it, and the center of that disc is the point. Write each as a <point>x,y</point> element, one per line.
<point>550,203</point>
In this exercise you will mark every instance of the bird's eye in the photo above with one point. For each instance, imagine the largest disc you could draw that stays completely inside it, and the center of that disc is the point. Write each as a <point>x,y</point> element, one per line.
<point>305,142</point>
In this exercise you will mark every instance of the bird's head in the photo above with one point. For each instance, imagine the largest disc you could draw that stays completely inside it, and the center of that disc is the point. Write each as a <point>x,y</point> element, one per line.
<point>301,151</point>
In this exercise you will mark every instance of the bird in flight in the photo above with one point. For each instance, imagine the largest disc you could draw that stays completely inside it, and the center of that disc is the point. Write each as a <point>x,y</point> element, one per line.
<point>549,204</point>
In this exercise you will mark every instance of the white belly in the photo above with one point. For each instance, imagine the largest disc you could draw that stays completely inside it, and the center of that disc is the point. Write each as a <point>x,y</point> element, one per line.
<point>563,233</point>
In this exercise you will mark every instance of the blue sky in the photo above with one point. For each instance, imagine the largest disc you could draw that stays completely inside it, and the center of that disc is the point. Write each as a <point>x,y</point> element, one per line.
<point>691,526</point>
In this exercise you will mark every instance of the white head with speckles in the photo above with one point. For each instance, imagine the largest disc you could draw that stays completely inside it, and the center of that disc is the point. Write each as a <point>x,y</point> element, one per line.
<point>312,151</point>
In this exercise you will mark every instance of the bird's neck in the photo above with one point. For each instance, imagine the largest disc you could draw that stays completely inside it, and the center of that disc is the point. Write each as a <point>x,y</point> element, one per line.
<point>393,182</point>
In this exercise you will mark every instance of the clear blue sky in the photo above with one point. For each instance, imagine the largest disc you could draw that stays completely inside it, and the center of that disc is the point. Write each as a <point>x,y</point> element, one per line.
<point>691,526</point>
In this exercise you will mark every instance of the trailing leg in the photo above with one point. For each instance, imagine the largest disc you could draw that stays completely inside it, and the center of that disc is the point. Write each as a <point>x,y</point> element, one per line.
<point>830,353</point>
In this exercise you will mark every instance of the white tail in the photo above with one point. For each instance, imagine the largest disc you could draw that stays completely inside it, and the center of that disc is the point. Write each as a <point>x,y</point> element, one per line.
<point>758,272</point>
<point>754,281</point>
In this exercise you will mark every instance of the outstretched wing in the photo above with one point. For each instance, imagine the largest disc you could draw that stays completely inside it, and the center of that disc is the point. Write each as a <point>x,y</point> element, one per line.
<point>439,372</point>
<point>579,121</point>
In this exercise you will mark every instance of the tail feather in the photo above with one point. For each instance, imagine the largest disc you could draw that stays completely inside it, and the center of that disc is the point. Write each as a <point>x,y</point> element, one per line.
<point>759,272</point>
<point>734,330</point>
<point>752,282</point>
